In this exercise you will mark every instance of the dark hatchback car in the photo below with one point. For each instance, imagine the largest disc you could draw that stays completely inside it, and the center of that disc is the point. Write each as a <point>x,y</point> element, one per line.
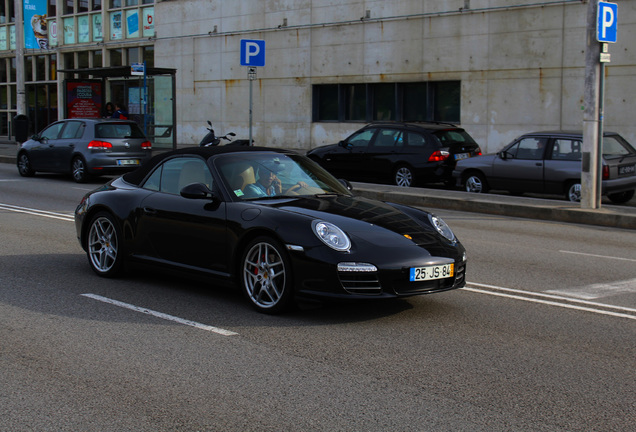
<point>85,147</point>
<point>304,235</point>
<point>550,163</point>
<point>404,154</point>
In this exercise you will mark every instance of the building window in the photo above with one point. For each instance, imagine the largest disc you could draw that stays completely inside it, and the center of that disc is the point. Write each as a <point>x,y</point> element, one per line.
<point>354,98</point>
<point>420,101</point>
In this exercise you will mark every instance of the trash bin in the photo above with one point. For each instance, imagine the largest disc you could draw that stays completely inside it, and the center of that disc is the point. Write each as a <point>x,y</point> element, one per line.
<point>21,128</point>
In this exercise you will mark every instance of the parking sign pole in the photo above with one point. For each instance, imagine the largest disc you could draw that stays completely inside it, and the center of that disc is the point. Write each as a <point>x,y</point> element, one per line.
<point>251,75</point>
<point>590,194</point>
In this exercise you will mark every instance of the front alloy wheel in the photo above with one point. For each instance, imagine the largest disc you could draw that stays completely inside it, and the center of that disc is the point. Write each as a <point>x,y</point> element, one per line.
<point>476,183</point>
<point>103,245</point>
<point>24,165</point>
<point>266,276</point>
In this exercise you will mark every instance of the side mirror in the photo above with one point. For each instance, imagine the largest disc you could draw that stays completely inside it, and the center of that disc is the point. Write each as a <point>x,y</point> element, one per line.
<point>346,184</point>
<point>232,134</point>
<point>345,144</point>
<point>505,155</point>
<point>197,191</point>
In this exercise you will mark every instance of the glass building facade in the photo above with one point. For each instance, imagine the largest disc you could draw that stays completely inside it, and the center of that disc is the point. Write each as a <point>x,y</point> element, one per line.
<point>70,34</point>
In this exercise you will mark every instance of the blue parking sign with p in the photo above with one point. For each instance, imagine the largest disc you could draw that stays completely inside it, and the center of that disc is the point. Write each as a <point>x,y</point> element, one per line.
<point>252,52</point>
<point>606,27</point>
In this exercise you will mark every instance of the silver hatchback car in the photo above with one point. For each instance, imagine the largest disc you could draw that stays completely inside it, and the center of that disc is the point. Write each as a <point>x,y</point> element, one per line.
<point>85,147</point>
<point>550,163</point>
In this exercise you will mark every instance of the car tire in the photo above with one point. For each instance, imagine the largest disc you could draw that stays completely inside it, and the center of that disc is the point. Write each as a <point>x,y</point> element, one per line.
<point>266,277</point>
<point>104,245</point>
<point>78,170</point>
<point>573,192</point>
<point>476,183</point>
<point>24,165</point>
<point>621,197</point>
<point>403,176</point>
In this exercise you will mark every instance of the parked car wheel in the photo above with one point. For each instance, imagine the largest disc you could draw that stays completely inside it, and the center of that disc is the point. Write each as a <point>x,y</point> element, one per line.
<point>78,169</point>
<point>573,192</point>
<point>476,183</point>
<point>403,176</point>
<point>621,197</point>
<point>104,248</point>
<point>266,275</point>
<point>24,165</point>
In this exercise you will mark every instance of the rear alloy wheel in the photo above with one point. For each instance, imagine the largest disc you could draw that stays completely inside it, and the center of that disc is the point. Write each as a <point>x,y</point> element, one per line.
<point>476,183</point>
<point>573,192</point>
<point>24,165</point>
<point>403,176</point>
<point>621,197</point>
<point>266,276</point>
<point>104,248</point>
<point>78,169</point>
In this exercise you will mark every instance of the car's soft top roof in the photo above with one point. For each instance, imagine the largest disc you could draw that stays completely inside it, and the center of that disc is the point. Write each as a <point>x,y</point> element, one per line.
<point>137,176</point>
<point>565,132</point>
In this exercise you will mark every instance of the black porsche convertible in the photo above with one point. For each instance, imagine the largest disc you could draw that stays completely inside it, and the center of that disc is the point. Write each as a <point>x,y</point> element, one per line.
<point>272,221</point>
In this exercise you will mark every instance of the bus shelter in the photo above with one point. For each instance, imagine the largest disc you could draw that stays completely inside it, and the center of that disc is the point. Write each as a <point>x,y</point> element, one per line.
<point>148,95</point>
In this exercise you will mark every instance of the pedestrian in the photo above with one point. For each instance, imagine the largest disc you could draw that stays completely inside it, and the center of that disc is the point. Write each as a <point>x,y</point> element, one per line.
<point>120,112</point>
<point>109,110</point>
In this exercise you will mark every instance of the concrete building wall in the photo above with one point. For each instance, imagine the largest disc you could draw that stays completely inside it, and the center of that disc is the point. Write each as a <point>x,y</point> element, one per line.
<point>521,63</point>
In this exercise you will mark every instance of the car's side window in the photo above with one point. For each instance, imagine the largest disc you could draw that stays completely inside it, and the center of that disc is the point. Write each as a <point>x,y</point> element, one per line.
<point>361,140</point>
<point>416,140</point>
<point>52,131</point>
<point>71,129</point>
<point>174,174</point>
<point>388,138</point>
<point>566,149</point>
<point>530,148</point>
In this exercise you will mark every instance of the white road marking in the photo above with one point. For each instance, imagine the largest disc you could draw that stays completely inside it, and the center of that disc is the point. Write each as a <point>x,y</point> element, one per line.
<point>598,256</point>
<point>564,302</point>
<point>594,291</point>
<point>162,315</point>
<point>36,212</point>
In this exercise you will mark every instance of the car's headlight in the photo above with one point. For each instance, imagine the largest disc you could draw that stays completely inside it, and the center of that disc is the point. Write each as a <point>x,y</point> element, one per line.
<point>441,227</point>
<point>331,235</point>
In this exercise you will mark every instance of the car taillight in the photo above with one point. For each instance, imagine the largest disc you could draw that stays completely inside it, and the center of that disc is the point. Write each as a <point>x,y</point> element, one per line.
<point>605,172</point>
<point>99,145</point>
<point>439,156</point>
<point>146,145</point>
<point>478,151</point>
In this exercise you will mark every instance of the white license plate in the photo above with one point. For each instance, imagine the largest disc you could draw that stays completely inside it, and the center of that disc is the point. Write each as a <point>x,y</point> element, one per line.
<point>626,170</point>
<point>460,156</point>
<point>128,162</point>
<point>431,272</point>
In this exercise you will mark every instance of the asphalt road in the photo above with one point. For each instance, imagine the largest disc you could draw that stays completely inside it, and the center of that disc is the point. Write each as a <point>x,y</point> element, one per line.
<point>543,338</point>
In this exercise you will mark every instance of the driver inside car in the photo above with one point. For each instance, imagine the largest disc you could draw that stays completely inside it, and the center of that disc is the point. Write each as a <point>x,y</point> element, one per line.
<point>268,183</point>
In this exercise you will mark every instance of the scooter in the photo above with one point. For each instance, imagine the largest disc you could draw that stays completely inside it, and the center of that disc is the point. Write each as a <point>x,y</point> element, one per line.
<point>210,139</point>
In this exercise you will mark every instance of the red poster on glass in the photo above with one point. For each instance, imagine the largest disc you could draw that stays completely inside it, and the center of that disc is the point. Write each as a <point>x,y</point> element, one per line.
<point>83,99</point>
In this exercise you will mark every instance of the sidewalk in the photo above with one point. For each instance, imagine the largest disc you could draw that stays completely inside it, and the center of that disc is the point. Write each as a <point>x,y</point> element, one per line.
<point>505,205</point>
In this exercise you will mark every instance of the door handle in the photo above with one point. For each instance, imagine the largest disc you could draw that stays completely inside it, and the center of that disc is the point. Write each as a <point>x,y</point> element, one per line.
<point>150,211</point>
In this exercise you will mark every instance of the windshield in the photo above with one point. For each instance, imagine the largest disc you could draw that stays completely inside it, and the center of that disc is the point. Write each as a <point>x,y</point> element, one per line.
<point>252,175</point>
<point>454,136</point>
<point>118,130</point>
<point>614,146</point>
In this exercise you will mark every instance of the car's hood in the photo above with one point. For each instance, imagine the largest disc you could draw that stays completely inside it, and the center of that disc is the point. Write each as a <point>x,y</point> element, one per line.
<point>377,222</point>
<point>323,149</point>
<point>481,160</point>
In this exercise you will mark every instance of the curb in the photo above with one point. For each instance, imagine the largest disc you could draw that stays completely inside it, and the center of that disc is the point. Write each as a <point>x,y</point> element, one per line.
<point>530,208</point>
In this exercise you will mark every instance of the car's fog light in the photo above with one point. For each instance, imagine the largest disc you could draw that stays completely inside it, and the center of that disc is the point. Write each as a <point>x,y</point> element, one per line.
<point>356,267</point>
